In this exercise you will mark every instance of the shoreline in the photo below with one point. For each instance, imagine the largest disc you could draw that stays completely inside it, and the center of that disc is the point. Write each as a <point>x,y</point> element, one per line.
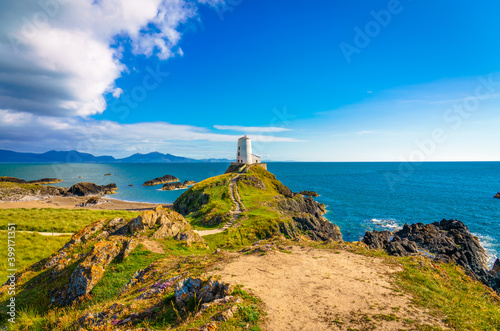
<point>59,202</point>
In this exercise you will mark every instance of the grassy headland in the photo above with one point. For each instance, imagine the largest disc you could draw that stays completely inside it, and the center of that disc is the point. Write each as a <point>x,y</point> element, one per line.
<point>269,225</point>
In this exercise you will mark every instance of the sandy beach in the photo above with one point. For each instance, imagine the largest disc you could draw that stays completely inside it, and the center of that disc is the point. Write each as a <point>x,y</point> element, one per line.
<point>72,202</point>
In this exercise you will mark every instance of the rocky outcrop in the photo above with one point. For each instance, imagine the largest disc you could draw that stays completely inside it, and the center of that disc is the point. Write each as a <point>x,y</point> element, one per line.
<point>88,273</point>
<point>107,241</point>
<point>446,241</point>
<point>161,180</point>
<point>309,193</point>
<point>177,185</point>
<point>497,195</point>
<point>37,181</point>
<point>90,202</point>
<point>307,216</point>
<point>203,290</point>
<point>168,224</point>
<point>86,189</point>
<point>10,191</point>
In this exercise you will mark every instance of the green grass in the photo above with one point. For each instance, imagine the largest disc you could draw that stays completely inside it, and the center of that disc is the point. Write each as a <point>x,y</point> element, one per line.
<point>56,220</point>
<point>119,273</point>
<point>448,291</point>
<point>214,213</point>
<point>30,248</point>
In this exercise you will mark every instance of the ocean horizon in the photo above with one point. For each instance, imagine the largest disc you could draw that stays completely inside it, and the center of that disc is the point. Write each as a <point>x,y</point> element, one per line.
<point>359,196</point>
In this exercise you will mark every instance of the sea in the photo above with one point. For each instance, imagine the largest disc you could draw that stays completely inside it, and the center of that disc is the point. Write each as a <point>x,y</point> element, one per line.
<point>359,196</point>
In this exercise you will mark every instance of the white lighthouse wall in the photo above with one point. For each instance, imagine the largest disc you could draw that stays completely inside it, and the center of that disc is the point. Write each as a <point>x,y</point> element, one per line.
<point>244,152</point>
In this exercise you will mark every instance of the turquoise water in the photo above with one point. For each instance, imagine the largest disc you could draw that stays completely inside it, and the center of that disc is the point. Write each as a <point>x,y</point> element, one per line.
<point>358,196</point>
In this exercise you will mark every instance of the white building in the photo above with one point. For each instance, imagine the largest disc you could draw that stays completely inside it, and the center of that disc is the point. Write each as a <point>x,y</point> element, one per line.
<point>244,152</point>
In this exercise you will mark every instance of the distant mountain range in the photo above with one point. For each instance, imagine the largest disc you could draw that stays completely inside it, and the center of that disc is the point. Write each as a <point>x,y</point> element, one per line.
<point>77,157</point>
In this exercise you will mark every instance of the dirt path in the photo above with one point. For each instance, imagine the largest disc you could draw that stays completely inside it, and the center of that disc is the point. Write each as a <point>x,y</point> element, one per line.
<point>72,202</point>
<point>312,289</point>
<point>235,197</point>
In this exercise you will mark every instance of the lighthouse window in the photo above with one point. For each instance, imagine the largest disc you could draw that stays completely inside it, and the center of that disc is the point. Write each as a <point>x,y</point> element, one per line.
<point>238,153</point>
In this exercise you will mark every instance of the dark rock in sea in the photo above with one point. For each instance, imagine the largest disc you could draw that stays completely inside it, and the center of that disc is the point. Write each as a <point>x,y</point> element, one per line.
<point>85,189</point>
<point>446,241</point>
<point>173,186</point>
<point>80,177</point>
<point>497,195</point>
<point>161,180</point>
<point>107,174</point>
<point>130,185</point>
<point>178,185</point>
<point>37,181</point>
<point>90,202</point>
<point>309,193</point>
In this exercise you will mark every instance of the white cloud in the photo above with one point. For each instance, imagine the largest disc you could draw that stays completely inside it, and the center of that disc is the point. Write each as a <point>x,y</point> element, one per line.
<point>30,132</point>
<point>251,128</point>
<point>57,58</point>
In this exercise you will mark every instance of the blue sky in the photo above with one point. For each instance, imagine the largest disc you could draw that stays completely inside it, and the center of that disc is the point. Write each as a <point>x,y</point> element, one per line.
<point>420,84</point>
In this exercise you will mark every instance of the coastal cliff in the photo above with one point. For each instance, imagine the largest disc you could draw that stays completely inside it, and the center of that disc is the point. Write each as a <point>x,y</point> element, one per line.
<point>241,251</point>
<point>269,207</point>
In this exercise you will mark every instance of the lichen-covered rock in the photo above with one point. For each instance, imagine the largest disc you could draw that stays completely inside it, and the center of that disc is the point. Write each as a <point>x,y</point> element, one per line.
<point>226,314</point>
<point>61,257</point>
<point>203,290</point>
<point>168,224</point>
<point>128,246</point>
<point>88,273</point>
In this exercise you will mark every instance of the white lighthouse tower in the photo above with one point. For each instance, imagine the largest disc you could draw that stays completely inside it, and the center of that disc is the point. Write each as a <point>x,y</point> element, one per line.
<point>245,158</point>
<point>244,153</point>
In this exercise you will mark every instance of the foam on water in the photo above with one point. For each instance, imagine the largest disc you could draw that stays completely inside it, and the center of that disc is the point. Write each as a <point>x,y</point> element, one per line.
<point>489,244</point>
<point>389,224</point>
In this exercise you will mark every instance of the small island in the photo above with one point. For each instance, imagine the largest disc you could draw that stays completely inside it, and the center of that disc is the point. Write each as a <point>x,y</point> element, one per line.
<point>161,180</point>
<point>497,195</point>
<point>178,185</point>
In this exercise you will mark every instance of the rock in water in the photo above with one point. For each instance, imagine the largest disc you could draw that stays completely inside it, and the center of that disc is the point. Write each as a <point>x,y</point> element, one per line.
<point>497,195</point>
<point>85,189</point>
<point>447,241</point>
<point>173,186</point>
<point>309,193</point>
<point>161,180</point>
